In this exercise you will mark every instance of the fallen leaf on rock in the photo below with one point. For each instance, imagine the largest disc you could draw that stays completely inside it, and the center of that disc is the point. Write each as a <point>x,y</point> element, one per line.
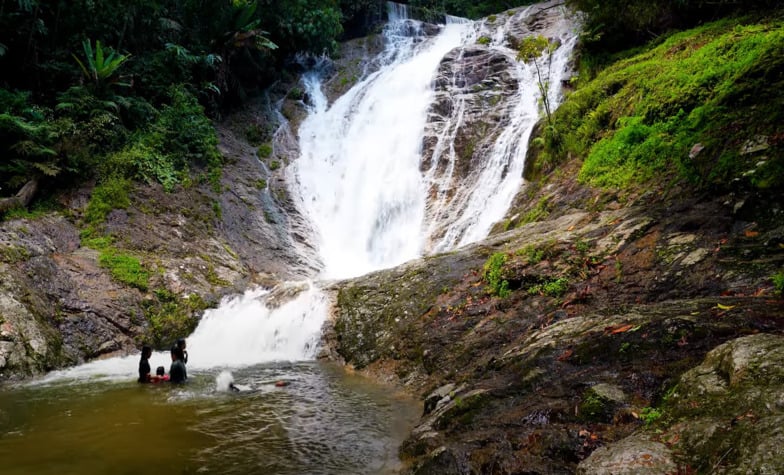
<point>618,329</point>
<point>565,355</point>
<point>750,233</point>
<point>724,307</point>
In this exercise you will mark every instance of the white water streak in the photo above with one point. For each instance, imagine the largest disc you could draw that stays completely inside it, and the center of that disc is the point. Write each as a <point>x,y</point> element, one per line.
<point>482,201</point>
<point>358,175</point>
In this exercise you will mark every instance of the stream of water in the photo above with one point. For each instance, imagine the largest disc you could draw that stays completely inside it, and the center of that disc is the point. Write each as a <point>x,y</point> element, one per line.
<point>358,181</point>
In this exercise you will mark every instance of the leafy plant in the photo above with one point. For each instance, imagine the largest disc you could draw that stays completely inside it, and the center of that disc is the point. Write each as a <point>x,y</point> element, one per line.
<point>101,64</point>
<point>493,275</point>
<point>265,150</point>
<point>551,287</point>
<point>778,282</point>
<point>530,49</point>
<point>649,415</point>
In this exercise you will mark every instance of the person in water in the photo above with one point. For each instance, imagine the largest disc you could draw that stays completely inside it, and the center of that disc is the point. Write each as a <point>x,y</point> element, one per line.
<point>160,375</point>
<point>144,365</point>
<point>177,372</point>
<point>181,346</point>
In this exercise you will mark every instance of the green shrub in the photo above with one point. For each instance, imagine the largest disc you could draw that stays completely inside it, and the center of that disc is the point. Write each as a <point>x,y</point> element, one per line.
<point>483,40</point>
<point>493,275</point>
<point>256,134</point>
<point>778,282</point>
<point>552,287</point>
<point>296,94</point>
<point>265,150</point>
<point>532,254</point>
<point>649,415</point>
<point>274,165</point>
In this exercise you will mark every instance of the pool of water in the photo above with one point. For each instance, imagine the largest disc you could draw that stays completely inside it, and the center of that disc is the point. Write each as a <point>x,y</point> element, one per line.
<point>324,421</point>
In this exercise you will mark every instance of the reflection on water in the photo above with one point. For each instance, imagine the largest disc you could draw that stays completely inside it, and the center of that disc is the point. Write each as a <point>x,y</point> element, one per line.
<point>323,422</point>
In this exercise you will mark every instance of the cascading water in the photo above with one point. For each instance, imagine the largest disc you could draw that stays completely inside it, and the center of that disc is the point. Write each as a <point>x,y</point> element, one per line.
<point>358,174</point>
<point>361,183</point>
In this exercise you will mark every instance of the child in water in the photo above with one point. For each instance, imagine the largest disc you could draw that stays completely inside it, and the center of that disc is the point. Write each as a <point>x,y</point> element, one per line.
<point>160,375</point>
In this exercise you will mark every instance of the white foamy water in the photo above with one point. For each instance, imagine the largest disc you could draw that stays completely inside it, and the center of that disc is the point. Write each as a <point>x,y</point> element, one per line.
<point>358,175</point>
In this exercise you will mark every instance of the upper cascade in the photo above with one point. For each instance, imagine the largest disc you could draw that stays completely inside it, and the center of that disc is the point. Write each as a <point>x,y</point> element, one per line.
<point>426,153</point>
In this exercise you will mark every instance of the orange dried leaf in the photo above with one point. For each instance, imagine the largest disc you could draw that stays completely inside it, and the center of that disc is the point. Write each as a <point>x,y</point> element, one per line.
<point>565,355</point>
<point>620,329</point>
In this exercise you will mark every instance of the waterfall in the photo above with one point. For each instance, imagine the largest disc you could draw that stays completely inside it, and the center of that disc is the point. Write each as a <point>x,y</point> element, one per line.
<point>358,175</point>
<point>374,195</point>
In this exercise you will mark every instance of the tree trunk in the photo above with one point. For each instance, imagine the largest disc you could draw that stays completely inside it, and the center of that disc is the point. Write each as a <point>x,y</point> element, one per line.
<point>22,198</point>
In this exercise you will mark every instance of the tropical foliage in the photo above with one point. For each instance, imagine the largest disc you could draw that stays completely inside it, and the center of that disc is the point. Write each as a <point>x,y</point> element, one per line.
<point>106,88</point>
<point>686,108</point>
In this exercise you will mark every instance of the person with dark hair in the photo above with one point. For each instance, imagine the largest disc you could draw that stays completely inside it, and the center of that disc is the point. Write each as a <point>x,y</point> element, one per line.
<point>144,365</point>
<point>181,346</point>
<point>177,372</point>
<point>160,375</point>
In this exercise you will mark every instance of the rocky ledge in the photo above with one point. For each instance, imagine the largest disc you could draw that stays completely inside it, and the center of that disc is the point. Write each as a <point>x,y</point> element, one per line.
<point>604,338</point>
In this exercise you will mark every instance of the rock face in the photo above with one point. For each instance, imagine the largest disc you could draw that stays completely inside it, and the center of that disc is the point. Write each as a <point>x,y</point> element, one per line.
<point>59,306</point>
<point>478,91</point>
<point>578,377</point>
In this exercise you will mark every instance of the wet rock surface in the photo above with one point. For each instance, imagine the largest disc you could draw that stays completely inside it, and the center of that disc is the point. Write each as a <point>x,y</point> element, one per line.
<point>59,306</point>
<point>620,372</point>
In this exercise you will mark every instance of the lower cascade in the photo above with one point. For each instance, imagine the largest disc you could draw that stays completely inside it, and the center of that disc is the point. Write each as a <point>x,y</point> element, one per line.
<point>384,175</point>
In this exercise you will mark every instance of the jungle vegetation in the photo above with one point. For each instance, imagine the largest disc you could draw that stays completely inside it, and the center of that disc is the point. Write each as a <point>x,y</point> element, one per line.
<point>107,89</point>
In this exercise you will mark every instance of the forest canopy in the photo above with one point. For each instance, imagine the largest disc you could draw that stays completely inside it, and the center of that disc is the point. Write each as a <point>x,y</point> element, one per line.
<point>112,87</point>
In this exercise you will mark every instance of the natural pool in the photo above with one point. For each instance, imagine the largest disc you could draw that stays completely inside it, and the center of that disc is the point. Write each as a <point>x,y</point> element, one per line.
<point>325,421</point>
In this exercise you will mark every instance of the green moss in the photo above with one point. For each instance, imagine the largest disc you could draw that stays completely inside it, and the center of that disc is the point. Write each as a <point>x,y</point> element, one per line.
<point>214,279</point>
<point>171,316</point>
<point>274,165</point>
<point>97,243</point>
<point>13,254</point>
<point>38,209</point>
<point>594,408</point>
<point>532,254</point>
<point>111,194</point>
<point>483,40</point>
<point>716,85</point>
<point>537,213</point>
<point>463,411</point>
<point>261,184</point>
<point>296,94</point>
<point>125,268</point>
